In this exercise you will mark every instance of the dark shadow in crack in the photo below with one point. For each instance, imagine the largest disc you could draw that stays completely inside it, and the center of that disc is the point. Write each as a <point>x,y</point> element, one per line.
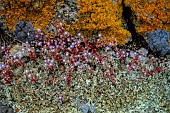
<point>138,40</point>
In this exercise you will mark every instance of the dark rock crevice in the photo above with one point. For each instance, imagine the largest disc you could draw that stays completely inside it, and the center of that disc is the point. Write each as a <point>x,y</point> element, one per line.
<point>138,40</point>
<point>126,15</point>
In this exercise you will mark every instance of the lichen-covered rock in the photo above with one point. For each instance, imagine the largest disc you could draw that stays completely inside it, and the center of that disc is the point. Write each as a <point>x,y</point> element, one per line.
<point>34,11</point>
<point>100,17</point>
<point>150,15</point>
<point>5,109</point>
<point>85,107</point>
<point>158,41</point>
<point>24,32</point>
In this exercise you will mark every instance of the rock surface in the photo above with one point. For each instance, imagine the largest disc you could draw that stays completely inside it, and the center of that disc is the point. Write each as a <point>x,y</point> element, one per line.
<point>5,109</point>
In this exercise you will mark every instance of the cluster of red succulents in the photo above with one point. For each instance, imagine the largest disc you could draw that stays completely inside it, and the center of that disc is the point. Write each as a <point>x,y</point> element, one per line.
<point>68,50</point>
<point>110,74</point>
<point>14,61</point>
<point>58,50</point>
<point>7,66</point>
<point>135,63</point>
<point>73,53</point>
<point>8,75</point>
<point>152,72</point>
<point>32,55</point>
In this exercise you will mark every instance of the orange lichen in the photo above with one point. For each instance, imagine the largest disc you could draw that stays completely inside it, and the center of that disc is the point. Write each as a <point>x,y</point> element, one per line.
<point>151,14</point>
<point>38,12</point>
<point>100,17</point>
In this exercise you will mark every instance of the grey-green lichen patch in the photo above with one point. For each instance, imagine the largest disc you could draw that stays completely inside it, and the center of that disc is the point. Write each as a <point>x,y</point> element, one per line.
<point>129,95</point>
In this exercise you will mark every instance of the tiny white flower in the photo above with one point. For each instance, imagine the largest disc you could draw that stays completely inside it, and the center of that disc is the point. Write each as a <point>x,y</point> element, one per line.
<point>38,30</point>
<point>79,34</point>
<point>29,75</point>
<point>38,74</point>
<point>99,35</point>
